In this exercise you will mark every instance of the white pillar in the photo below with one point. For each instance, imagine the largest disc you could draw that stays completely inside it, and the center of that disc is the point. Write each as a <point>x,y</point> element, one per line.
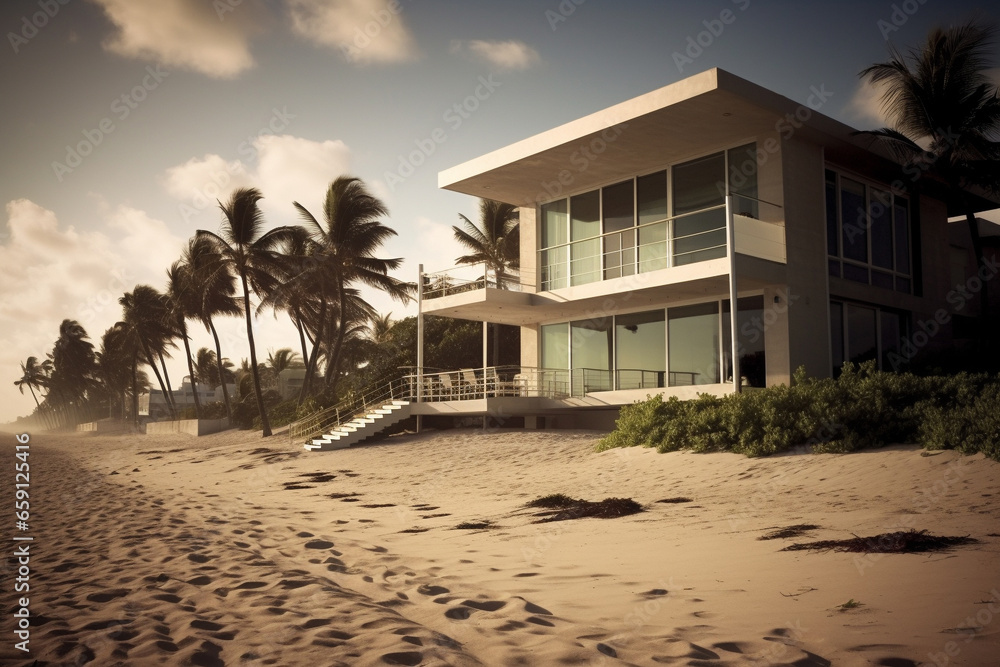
<point>420,340</point>
<point>733,307</point>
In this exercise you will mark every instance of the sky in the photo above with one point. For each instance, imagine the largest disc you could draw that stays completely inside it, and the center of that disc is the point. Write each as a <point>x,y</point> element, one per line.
<point>124,121</point>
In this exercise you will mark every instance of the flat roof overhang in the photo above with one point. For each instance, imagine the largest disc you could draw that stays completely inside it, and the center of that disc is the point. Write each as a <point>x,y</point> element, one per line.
<point>656,289</point>
<point>679,121</point>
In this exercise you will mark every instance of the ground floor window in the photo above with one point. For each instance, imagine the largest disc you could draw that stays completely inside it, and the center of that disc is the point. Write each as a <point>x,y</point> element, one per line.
<point>862,332</point>
<point>678,346</point>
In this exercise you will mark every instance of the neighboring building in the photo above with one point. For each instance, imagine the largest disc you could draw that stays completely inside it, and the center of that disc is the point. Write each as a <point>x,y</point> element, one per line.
<point>154,404</point>
<point>627,267</point>
<point>290,382</point>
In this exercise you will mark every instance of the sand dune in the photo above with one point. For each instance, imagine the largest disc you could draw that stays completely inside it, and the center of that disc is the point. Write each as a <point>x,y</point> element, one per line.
<point>236,550</point>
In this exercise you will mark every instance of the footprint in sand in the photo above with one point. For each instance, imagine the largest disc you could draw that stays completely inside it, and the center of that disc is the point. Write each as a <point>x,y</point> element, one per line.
<point>107,595</point>
<point>319,544</point>
<point>403,658</point>
<point>428,589</point>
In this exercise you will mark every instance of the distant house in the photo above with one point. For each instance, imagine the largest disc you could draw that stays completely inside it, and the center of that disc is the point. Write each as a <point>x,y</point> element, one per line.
<point>642,223</point>
<point>154,403</point>
<point>290,382</point>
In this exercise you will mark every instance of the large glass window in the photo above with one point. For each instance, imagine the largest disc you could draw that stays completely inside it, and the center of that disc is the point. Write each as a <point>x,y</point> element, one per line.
<point>619,230</point>
<point>699,236</point>
<point>591,356</point>
<point>555,252</point>
<point>743,167</point>
<point>640,350</point>
<point>749,341</point>
<point>651,195</point>
<point>693,344</point>
<point>585,232</point>
<point>555,346</point>
<point>868,235</point>
<point>862,337</point>
<point>854,223</point>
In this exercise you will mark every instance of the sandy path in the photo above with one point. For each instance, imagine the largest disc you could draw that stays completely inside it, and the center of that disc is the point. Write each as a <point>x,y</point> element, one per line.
<point>229,550</point>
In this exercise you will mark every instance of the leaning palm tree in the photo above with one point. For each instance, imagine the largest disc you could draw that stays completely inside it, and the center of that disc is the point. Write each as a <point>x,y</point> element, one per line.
<point>146,327</point>
<point>495,242</point>
<point>946,114</point>
<point>183,300</point>
<point>218,298</point>
<point>252,257</point>
<point>34,375</point>
<point>350,235</point>
<point>72,364</point>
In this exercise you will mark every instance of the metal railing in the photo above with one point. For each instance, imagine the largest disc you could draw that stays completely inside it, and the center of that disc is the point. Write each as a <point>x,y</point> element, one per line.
<point>468,278</point>
<point>491,382</point>
<point>353,407</point>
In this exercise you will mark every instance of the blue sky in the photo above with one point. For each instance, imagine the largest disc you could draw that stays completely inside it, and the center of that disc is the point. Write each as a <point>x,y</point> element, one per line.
<point>123,121</point>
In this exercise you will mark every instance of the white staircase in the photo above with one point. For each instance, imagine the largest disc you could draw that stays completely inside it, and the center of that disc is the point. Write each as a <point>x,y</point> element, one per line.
<point>361,428</point>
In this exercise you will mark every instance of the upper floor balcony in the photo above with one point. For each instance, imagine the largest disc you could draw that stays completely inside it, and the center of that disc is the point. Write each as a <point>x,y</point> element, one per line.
<point>692,252</point>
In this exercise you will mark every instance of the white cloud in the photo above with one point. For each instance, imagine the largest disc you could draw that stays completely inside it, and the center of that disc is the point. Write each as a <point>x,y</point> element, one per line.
<point>287,169</point>
<point>51,271</point>
<point>364,31</point>
<point>190,34</point>
<point>509,55</point>
<point>865,106</point>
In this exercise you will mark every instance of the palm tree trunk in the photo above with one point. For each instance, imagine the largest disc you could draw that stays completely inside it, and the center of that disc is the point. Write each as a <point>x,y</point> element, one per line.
<point>314,356</point>
<point>984,299</point>
<point>166,380</point>
<point>135,389</point>
<point>339,344</point>
<point>222,376</point>
<point>253,359</point>
<point>302,336</point>
<point>156,372</point>
<point>37,404</point>
<point>194,382</point>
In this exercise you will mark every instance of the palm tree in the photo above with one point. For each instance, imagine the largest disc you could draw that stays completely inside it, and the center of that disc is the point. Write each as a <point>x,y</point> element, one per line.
<point>218,298</point>
<point>34,375</point>
<point>72,364</point>
<point>183,300</point>
<point>379,327</point>
<point>117,370</point>
<point>495,242</point>
<point>350,235</point>
<point>254,258</point>
<point>145,325</point>
<point>941,96</point>
<point>206,368</point>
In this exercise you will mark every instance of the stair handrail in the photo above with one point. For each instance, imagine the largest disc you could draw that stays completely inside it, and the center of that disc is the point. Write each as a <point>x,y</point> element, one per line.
<point>375,394</point>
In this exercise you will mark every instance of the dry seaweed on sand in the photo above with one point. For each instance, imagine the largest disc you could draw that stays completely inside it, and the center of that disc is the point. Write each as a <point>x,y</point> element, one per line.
<point>475,525</point>
<point>788,531</point>
<point>609,508</point>
<point>552,501</point>
<point>678,499</point>
<point>900,542</point>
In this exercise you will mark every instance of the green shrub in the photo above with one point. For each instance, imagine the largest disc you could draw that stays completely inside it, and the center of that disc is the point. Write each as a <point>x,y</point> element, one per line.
<point>862,408</point>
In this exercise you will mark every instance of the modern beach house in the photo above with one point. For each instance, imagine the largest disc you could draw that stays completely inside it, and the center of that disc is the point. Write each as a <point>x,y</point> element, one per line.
<point>641,225</point>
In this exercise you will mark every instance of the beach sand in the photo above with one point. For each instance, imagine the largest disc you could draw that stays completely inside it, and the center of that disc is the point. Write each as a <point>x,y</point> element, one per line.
<point>233,549</point>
